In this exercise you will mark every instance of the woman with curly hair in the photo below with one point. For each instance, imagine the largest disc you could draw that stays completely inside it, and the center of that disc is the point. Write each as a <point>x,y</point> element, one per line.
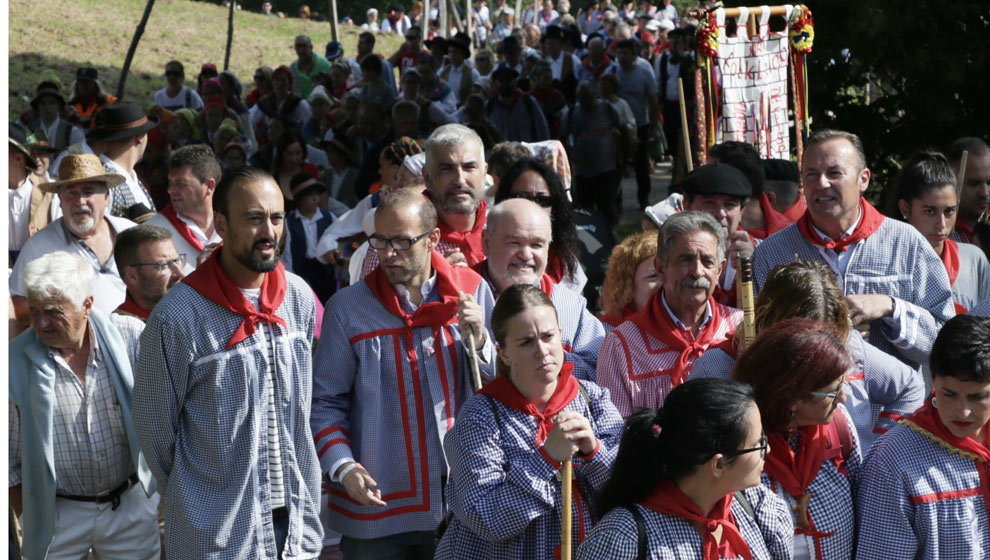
<point>630,279</point>
<point>534,180</point>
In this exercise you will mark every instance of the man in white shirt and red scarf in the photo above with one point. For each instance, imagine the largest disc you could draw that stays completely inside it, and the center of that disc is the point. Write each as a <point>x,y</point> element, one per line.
<point>149,266</point>
<point>517,242</point>
<point>897,288</point>
<point>390,377</point>
<point>223,388</point>
<point>644,358</point>
<point>192,177</point>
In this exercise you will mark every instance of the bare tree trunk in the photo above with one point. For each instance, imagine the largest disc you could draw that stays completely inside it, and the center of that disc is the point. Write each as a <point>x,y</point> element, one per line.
<point>130,50</point>
<point>230,35</point>
<point>424,20</point>
<point>333,20</point>
<point>444,26</point>
<point>457,17</point>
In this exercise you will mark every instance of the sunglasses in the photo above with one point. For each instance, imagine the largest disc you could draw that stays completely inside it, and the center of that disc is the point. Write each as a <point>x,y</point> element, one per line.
<point>544,200</point>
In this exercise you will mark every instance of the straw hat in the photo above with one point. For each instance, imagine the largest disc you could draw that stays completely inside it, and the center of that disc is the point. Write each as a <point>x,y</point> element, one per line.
<point>82,168</point>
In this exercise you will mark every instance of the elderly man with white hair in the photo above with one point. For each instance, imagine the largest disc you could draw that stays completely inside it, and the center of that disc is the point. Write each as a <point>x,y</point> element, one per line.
<point>84,230</point>
<point>75,464</point>
<point>517,241</point>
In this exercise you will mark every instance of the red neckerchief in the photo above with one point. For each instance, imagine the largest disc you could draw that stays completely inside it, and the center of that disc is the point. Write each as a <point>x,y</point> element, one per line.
<point>927,422</point>
<point>546,284</point>
<point>451,281</point>
<point>556,269</point>
<point>950,258</point>
<point>965,231</point>
<point>773,221</point>
<point>469,242</point>
<point>181,227</point>
<point>598,69</point>
<point>546,17</point>
<point>725,296</point>
<point>129,307</point>
<point>509,105</point>
<point>795,470</point>
<point>670,500</point>
<point>655,320</point>
<point>796,210</point>
<point>616,319</point>
<point>211,282</point>
<point>506,393</point>
<point>869,222</point>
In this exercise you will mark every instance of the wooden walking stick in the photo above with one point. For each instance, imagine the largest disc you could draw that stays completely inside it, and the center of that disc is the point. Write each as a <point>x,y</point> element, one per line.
<point>566,476</point>
<point>962,173</point>
<point>475,369</point>
<point>744,293</point>
<point>684,125</point>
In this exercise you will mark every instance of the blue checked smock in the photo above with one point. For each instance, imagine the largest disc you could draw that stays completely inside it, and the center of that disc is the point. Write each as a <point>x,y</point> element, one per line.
<point>505,494</point>
<point>880,389</point>
<point>201,414</point>
<point>895,261</point>
<point>918,500</point>
<point>833,496</point>
<point>388,404</point>
<point>615,537</point>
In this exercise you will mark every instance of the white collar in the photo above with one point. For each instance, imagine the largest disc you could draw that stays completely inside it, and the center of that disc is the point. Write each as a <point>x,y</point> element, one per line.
<point>425,289</point>
<point>846,233</point>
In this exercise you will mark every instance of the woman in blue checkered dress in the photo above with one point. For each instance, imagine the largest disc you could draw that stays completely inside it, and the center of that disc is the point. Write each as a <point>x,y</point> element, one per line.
<point>797,369</point>
<point>686,483</point>
<point>925,487</point>
<point>509,442</point>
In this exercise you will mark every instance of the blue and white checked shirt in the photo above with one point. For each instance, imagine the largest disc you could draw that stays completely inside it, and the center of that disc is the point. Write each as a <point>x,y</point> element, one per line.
<point>615,537</point>
<point>918,500</point>
<point>895,261</point>
<point>505,495</point>
<point>201,414</point>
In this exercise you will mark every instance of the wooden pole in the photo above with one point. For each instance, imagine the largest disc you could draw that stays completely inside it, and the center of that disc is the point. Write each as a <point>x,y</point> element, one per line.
<point>961,175</point>
<point>774,11</point>
<point>444,26</point>
<point>130,50</point>
<point>566,477</point>
<point>473,355</point>
<point>333,20</point>
<point>744,295</point>
<point>457,17</point>
<point>684,125</point>
<point>517,19</point>
<point>424,20</point>
<point>230,35</point>
<point>468,28</point>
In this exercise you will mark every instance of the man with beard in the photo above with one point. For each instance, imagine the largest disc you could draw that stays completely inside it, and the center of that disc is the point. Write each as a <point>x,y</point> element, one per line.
<point>84,229</point>
<point>974,197</point>
<point>149,265</point>
<point>221,402</point>
<point>517,242</point>
<point>392,370</point>
<point>644,358</point>
<point>193,172</point>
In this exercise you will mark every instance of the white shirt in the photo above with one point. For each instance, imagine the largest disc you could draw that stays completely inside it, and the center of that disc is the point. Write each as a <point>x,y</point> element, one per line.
<point>179,101</point>
<point>558,65</point>
<point>704,319</point>
<point>370,26</point>
<point>839,261</point>
<point>19,206</point>
<point>76,134</point>
<point>454,78</point>
<point>424,290</point>
<point>309,227</point>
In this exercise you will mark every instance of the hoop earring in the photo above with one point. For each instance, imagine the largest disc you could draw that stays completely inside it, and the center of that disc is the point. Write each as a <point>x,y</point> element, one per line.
<point>934,404</point>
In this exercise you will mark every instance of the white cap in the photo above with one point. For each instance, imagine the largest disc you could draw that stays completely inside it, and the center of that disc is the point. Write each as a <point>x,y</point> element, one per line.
<point>666,24</point>
<point>509,11</point>
<point>653,25</point>
<point>372,11</point>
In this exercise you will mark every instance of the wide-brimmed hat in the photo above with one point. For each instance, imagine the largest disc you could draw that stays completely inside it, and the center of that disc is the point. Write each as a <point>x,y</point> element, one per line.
<point>82,168</point>
<point>504,68</point>
<point>461,41</point>
<point>438,41</point>
<point>334,50</point>
<point>47,89</point>
<point>17,137</point>
<point>119,121</point>
<point>42,146</point>
<point>555,32</point>
<point>140,213</point>
<point>87,73</point>
<point>339,145</point>
<point>302,183</point>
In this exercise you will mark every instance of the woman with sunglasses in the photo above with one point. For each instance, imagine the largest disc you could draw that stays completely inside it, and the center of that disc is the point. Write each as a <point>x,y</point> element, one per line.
<point>692,469</point>
<point>534,180</point>
<point>797,369</point>
<point>511,438</point>
<point>924,490</point>
<point>880,389</point>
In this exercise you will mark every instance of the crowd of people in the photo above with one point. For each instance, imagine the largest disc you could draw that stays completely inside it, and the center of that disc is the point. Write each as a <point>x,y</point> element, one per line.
<point>374,307</point>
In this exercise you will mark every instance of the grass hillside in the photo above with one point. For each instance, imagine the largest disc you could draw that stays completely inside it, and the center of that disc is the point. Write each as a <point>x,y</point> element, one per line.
<point>63,35</point>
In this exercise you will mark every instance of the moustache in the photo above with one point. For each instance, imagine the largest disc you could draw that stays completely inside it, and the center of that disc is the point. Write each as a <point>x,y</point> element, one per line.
<point>81,208</point>
<point>702,283</point>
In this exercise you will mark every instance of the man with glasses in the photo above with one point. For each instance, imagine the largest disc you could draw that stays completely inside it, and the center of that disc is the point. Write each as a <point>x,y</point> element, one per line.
<point>391,372</point>
<point>84,229</point>
<point>193,174</point>
<point>149,265</point>
<point>176,95</point>
<point>307,66</point>
<point>408,54</point>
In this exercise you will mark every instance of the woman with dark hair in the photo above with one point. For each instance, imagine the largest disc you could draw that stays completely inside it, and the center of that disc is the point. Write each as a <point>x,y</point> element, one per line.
<point>510,440</point>
<point>926,199</point>
<point>879,389</point>
<point>290,159</point>
<point>797,370</point>
<point>533,180</point>
<point>924,490</point>
<point>690,469</point>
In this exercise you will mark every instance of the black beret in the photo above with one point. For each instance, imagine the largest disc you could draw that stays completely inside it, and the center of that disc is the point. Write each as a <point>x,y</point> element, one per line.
<point>781,170</point>
<point>717,178</point>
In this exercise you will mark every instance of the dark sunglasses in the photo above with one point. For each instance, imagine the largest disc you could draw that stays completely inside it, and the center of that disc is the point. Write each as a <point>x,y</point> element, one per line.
<point>544,200</point>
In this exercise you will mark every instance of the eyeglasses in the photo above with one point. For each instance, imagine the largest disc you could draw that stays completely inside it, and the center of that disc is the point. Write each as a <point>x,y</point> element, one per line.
<point>397,243</point>
<point>544,200</point>
<point>164,266</point>
<point>764,444</point>
<point>830,396</point>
